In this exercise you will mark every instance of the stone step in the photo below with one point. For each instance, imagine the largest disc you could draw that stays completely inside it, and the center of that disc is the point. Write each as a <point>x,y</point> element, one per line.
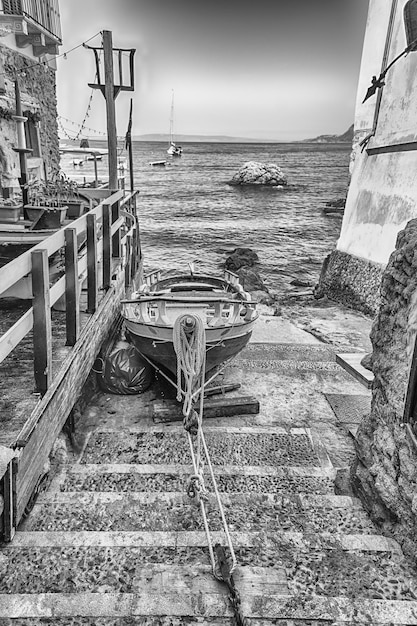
<point>295,541</point>
<point>135,477</point>
<point>179,600</point>
<point>95,511</point>
<point>274,447</point>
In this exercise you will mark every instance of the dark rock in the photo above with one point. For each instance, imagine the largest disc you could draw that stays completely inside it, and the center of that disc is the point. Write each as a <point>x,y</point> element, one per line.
<point>241,257</point>
<point>254,173</point>
<point>251,280</point>
<point>298,282</point>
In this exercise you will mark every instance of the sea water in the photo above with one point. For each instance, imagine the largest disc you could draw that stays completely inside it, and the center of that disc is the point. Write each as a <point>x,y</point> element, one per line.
<point>188,212</point>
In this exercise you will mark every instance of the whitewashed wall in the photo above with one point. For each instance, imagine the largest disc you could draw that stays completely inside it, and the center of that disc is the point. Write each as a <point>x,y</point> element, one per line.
<point>382,195</point>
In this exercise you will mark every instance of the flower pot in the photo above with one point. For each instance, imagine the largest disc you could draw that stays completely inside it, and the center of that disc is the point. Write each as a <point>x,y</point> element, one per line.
<point>76,208</point>
<point>10,213</point>
<point>46,217</point>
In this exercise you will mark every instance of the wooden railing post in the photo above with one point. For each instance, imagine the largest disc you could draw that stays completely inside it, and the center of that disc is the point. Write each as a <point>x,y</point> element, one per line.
<point>42,331</point>
<point>107,246</point>
<point>72,298</point>
<point>128,261</point>
<point>92,289</point>
<point>9,518</point>
<point>116,239</point>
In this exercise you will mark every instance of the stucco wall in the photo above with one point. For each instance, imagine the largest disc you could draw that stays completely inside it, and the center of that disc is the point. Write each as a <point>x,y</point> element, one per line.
<point>382,195</point>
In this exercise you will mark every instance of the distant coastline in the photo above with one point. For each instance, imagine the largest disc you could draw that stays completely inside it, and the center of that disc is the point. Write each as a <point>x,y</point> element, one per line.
<point>346,137</point>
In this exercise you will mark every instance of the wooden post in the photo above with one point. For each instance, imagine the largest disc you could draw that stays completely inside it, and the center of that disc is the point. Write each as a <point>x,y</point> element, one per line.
<point>109,94</point>
<point>92,290</point>
<point>128,261</point>
<point>107,246</point>
<point>116,243</point>
<point>72,305</point>
<point>42,331</point>
<point>9,497</point>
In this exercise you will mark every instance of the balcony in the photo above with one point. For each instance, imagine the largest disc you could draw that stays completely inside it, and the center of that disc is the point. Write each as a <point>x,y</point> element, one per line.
<point>34,22</point>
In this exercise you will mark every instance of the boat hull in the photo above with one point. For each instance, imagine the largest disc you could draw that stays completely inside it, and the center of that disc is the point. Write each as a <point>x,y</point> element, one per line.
<point>155,343</point>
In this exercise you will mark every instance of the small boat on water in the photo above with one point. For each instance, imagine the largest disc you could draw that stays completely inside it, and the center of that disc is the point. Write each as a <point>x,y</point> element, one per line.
<point>173,149</point>
<point>159,163</point>
<point>152,315</point>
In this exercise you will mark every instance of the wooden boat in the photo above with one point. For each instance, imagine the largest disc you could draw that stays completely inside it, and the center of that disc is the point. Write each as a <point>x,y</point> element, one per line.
<point>159,163</point>
<point>226,310</point>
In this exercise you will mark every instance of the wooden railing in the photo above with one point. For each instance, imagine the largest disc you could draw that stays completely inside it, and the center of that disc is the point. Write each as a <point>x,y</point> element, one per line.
<point>105,263</point>
<point>44,12</point>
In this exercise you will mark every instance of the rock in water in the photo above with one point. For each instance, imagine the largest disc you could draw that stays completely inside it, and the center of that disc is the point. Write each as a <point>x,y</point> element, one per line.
<point>241,257</point>
<point>254,173</point>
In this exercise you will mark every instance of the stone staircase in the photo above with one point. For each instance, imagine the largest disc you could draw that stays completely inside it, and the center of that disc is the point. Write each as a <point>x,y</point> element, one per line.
<point>116,541</point>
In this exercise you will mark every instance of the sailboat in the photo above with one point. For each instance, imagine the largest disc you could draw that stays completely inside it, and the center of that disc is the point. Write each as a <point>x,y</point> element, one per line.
<point>173,149</point>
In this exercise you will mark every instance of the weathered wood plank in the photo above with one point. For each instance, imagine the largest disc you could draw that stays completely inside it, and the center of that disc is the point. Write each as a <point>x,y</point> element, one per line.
<point>164,411</point>
<point>72,305</point>
<point>42,333</point>
<point>92,287</point>
<point>15,334</point>
<point>107,245</point>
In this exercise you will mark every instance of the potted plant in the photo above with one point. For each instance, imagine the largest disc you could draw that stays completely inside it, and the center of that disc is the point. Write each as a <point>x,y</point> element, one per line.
<point>10,210</point>
<point>52,201</point>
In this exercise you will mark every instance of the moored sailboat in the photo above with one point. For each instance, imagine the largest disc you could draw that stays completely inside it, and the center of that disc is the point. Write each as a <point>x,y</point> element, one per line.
<point>173,149</point>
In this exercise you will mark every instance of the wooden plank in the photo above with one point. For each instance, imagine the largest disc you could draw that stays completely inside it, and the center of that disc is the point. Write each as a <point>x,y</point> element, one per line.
<point>351,362</point>
<point>164,411</point>
<point>42,331</point>
<point>109,94</point>
<point>128,260</point>
<point>72,304</point>
<point>107,246</point>
<point>92,287</point>
<point>15,334</point>
<point>9,499</point>
<point>49,416</point>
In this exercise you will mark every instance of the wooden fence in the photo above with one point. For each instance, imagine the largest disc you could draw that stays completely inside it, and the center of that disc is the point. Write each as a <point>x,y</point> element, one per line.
<point>102,252</point>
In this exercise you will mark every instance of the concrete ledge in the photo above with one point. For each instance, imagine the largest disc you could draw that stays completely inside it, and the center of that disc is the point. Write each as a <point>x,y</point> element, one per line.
<point>352,364</point>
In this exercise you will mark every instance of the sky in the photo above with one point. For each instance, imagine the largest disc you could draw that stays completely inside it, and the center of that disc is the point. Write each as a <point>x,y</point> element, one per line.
<point>268,69</point>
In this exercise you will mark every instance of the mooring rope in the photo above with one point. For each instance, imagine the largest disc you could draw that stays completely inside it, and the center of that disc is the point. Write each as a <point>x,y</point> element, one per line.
<point>190,348</point>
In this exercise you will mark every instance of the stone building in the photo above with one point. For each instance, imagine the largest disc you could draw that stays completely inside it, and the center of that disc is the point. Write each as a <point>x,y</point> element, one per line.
<point>383,188</point>
<point>30,33</point>
<point>375,265</point>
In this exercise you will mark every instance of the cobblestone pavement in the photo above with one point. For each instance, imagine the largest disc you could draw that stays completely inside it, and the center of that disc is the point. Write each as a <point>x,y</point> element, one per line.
<point>116,541</point>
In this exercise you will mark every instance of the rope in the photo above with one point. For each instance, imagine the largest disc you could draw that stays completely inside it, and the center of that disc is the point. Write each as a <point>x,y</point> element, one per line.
<point>190,347</point>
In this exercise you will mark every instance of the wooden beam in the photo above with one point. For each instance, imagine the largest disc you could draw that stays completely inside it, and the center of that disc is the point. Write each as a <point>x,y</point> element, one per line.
<point>115,215</point>
<point>42,332</point>
<point>164,411</point>
<point>128,260</point>
<point>72,297</point>
<point>110,107</point>
<point>92,288</point>
<point>107,245</point>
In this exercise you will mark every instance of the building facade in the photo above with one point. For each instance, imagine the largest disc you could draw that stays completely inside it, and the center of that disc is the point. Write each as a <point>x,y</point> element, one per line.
<point>382,195</point>
<point>30,35</point>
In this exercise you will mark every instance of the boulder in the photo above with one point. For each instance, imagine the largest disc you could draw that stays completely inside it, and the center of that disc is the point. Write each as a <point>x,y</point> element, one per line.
<point>254,173</point>
<point>241,257</point>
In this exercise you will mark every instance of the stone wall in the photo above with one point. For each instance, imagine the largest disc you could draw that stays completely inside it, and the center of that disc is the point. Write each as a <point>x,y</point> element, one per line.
<point>351,281</point>
<point>385,473</point>
<point>38,95</point>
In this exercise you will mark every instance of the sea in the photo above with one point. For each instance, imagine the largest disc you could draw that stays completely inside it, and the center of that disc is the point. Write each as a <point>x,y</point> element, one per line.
<point>189,213</point>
